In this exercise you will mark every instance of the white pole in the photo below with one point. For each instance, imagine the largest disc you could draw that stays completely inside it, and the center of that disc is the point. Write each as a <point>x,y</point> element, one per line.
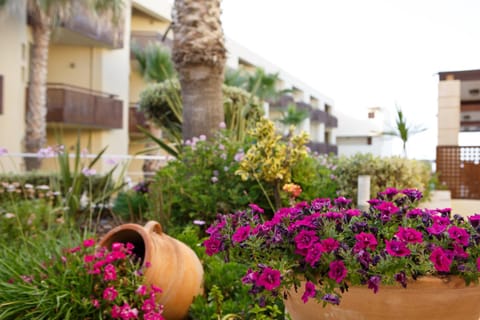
<point>363,192</point>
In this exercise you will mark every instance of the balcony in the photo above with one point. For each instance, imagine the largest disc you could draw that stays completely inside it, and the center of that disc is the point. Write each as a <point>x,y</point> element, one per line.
<point>332,122</point>
<point>75,106</point>
<point>323,148</point>
<point>86,28</point>
<point>135,118</point>
<point>324,117</point>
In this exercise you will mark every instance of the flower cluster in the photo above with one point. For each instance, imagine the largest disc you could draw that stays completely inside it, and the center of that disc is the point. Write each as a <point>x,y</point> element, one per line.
<point>117,290</point>
<point>327,245</point>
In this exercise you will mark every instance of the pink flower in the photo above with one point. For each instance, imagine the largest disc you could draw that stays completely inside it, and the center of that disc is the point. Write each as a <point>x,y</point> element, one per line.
<point>365,240</point>
<point>95,303</point>
<point>241,234</point>
<point>269,279</point>
<point>397,248</point>
<point>459,235</point>
<point>256,208</point>
<point>109,273</point>
<point>117,246</point>
<point>3,151</point>
<point>110,293</point>
<point>212,246</point>
<point>88,243</point>
<point>337,271</point>
<point>330,244</point>
<point>142,290</point>
<point>88,258</point>
<point>305,239</point>
<point>310,291</point>
<point>409,235</point>
<point>441,260</point>
<point>314,254</point>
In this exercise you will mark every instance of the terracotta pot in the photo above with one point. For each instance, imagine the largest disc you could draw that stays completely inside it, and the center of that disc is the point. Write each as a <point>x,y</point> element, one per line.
<point>174,267</point>
<point>428,298</point>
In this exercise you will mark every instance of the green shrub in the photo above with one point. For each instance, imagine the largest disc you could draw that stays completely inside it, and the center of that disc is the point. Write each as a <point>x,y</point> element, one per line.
<point>384,172</point>
<point>132,204</point>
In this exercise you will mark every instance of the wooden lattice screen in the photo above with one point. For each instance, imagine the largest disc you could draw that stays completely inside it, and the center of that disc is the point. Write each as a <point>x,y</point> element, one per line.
<point>459,169</point>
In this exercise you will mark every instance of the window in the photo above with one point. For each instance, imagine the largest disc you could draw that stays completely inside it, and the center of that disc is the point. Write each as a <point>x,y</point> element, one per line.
<point>371,115</point>
<point>369,141</point>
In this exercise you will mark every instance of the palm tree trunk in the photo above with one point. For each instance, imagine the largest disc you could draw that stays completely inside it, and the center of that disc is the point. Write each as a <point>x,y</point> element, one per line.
<point>202,101</point>
<point>35,137</point>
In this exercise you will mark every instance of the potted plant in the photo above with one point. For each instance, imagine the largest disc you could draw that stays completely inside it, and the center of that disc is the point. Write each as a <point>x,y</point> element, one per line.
<point>357,264</point>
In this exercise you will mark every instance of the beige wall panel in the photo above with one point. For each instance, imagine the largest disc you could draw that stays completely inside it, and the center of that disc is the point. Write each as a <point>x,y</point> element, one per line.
<point>71,65</point>
<point>449,88</point>
<point>449,118</point>
<point>14,69</point>
<point>143,22</point>
<point>137,84</point>
<point>447,137</point>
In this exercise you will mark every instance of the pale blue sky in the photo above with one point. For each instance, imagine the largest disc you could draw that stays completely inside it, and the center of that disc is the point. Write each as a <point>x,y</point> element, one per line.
<point>365,53</point>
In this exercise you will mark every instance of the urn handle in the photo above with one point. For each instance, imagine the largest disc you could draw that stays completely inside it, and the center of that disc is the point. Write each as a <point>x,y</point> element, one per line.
<point>154,226</point>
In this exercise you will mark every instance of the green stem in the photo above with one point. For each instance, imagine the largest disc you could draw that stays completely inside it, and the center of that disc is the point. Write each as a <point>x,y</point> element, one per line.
<point>265,193</point>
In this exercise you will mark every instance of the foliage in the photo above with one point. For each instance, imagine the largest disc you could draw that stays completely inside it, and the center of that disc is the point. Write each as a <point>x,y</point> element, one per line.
<point>294,116</point>
<point>44,280</point>
<point>269,160</point>
<point>132,204</point>
<point>403,129</point>
<point>384,172</point>
<point>225,297</point>
<point>154,62</point>
<point>201,182</point>
<point>331,245</point>
<point>162,104</point>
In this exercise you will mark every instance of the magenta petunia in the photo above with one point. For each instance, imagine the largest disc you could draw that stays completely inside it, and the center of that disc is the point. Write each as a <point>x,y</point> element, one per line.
<point>305,238</point>
<point>337,271</point>
<point>241,234</point>
<point>365,240</point>
<point>436,229</point>
<point>212,246</point>
<point>474,220</point>
<point>330,244</point>
<point>374,283</point>
<point>310,291</point>
<point>269,279</point>
<point>314,254</point>
<point>255,208</point>
<point>441,260</point>
<point>409,235</point>
<point>397,248</point>
<point>459,235</point>
<point>387,208</point>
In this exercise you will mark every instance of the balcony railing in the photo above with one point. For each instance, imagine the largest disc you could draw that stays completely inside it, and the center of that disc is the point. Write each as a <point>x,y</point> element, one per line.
<point>78,106</point>
<point>332,122</point>
<point>459,169</point>
<point>323,148</point>
<point>87,28</point>
<point>135,118</point>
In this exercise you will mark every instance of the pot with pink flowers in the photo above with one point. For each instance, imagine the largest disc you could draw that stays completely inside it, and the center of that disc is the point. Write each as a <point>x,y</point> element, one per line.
<point>328,260</point>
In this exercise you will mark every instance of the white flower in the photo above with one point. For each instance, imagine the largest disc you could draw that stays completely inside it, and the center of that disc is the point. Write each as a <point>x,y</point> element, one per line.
<point>9,215</point>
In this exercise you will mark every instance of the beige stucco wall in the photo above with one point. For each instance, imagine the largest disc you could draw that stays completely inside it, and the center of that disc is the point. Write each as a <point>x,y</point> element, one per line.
<point>14,68</point>
<point>465,207</point>
<point>72,65</point>
<point>448,112</point>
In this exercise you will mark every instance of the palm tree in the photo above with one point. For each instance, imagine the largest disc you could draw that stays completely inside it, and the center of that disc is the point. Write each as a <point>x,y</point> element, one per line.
<point>199,55</point>
<point>404,130</point>
<point>154,62</point>
<point>44,16</point>
<point>264,85</point>
<point>293,116</point>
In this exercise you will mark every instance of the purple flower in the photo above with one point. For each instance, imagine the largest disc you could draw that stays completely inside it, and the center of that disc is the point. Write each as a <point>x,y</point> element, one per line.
<point>474,220</point>
<point>310,291</point>
<point>250,278</point>
<point>459,235</point>
<point>441,260</point>
<point>3,151</point>
<point>241,234</point>
<point>409,235</point>
<point>305,238</point>
<point>413,194</point>
<point>342,202</point>
<point>436,229</point>
<point>331,298</point>
<point>416,212</point>
<point>269,279</point>
<point>373,283</point>
<point>389,193</point>
<point>337,271</point>
<point>401,278</point>
<point>397,248</point>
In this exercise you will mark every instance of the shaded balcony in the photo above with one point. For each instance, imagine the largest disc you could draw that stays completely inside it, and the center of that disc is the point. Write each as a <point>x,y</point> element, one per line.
<point>323,148</point>
<point>324,117</point>
<point>135,118</point>
<point>85,28</point>
<point>141,39</point>
<point>76,106</point>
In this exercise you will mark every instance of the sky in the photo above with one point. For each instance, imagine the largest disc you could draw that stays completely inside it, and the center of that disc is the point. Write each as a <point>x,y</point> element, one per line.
<point>365,53</point>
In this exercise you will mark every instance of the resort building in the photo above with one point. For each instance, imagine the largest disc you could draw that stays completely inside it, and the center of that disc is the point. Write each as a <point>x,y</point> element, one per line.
<point>458,149</point>
<point>93,86</point>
